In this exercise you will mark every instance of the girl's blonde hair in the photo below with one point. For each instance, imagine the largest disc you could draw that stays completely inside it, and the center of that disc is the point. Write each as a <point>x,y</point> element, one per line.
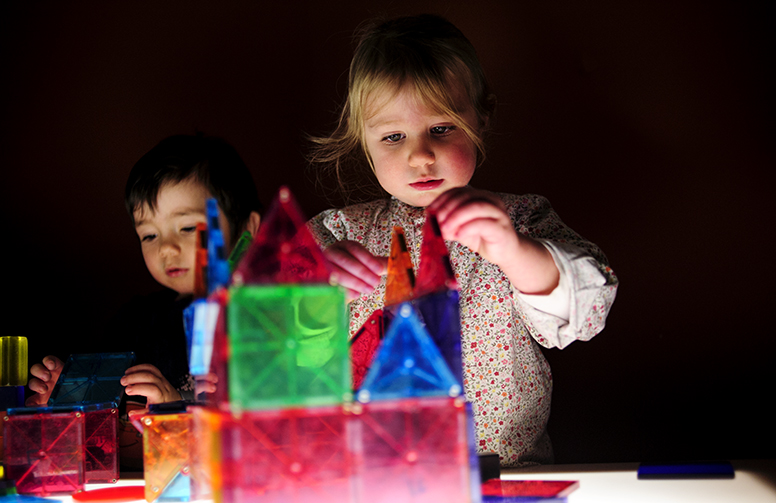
<point>426,53</point>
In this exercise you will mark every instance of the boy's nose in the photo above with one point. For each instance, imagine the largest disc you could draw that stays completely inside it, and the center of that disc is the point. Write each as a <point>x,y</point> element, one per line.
<point>169,247</point>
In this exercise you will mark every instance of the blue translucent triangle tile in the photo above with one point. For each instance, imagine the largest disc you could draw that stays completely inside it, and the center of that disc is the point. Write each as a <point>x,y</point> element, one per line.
<point>475,491</point>
<point>408,363</point>
<point>200,334</point>
<point>218,270</point>
<point>179,488</point>
<point>440,312</point>
<point>91,379</point>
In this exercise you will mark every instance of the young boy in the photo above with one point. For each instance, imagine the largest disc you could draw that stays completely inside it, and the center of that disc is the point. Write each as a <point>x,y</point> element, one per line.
<point>165,196</point>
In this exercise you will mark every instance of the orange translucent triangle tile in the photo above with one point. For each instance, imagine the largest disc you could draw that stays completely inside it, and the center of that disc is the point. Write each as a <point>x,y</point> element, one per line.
<point>284,250</point>
<point>401,277</point>
<point>435,273</point>
<point>200,264</point>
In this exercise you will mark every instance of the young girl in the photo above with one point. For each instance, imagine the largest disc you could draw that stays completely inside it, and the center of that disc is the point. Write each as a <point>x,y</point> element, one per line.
<point>417,108</point>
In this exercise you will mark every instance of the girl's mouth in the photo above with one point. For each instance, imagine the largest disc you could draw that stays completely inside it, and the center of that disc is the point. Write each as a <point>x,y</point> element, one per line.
<point>427,184</point>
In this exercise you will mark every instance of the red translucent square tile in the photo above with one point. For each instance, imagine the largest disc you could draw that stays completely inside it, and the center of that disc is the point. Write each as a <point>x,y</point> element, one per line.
<point>44,452</point>
<point>413,450</point>
<point>289,455</point>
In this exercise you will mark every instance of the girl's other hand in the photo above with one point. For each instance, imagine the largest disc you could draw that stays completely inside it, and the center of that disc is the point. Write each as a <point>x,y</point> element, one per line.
<point>146,380</point>
<point>354,268</point>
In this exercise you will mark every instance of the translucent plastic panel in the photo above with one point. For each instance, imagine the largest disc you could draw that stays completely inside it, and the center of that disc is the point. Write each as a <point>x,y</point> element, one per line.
<point>284,250</point>
<point>288,346</point>
<point>408,364</point>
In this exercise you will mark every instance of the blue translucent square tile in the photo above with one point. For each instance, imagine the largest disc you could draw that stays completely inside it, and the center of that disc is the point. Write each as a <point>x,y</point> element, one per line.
<point>92,379</point>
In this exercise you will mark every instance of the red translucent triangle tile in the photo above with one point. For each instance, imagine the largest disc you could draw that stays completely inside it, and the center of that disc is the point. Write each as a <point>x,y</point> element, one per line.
<point>363,346</point>
<point>401,277</point>
<point>435,273</point>
<point>284,250</point>
<point>200,264</point>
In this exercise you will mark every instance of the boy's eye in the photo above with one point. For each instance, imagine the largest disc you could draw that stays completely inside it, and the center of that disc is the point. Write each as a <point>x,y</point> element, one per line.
<point>442,130</point>
<point>147,238</point>
<point>190,228</point>
<point>393,138</point>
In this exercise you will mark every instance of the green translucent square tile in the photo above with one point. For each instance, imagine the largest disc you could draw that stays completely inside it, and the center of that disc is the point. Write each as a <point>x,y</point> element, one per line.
<point>289,346</point>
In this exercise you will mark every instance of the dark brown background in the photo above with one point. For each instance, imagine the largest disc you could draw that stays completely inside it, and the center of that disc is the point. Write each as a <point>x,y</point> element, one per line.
<point>646,126</point>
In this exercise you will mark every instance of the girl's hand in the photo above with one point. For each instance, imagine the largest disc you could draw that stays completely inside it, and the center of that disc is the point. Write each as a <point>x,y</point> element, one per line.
<point>44,377</point>
<point>357,270</point>
<point>478,220</point>
<point>146,380</point>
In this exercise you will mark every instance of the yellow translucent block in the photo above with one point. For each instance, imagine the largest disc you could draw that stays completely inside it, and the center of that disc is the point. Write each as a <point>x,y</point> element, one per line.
<point>13,361</point>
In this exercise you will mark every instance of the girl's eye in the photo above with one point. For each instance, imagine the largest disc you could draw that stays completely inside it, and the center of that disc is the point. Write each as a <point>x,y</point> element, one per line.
<point>393,138</point>
<point>442,130</point>
<point>147,238</point>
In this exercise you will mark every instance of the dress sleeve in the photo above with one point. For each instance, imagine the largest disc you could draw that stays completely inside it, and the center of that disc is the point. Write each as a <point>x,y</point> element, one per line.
<point>591,285</point>
<point>319,226</point>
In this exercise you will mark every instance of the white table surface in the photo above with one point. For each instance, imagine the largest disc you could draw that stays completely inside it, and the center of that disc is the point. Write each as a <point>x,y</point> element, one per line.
<point>754,482</point>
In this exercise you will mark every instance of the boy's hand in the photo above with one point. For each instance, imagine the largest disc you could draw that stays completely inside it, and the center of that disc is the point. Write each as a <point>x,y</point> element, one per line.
<point>44,377</point>
<point>478,220</point>
<point>357,270</point>
<point>207,383</point>
<point>146,380</point>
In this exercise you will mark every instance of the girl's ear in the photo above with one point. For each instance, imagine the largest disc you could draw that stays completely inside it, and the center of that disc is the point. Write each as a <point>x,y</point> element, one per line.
<point>252,225</point>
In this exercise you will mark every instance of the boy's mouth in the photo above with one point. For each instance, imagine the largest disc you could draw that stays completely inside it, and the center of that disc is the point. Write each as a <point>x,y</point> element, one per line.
<point>175,272</point>
<point>430,184</point>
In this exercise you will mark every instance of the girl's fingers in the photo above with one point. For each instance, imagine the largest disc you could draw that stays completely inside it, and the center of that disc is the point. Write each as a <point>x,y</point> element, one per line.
<point>377,265</point>
<point>454,200</point>
<point>348,280</point>
<point>354,267</point>
<point>471,211</point>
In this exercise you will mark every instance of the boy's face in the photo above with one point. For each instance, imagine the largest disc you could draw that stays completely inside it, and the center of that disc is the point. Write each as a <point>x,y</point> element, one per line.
<point>168,236</point>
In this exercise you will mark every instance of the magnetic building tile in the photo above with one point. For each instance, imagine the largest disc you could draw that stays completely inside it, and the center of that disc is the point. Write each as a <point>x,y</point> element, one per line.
<point>412,450</point>
<point>44,452</point>
<point>408,364</point>
<point>286,455</point>
<point>288,346</point>
<point>284,250</point>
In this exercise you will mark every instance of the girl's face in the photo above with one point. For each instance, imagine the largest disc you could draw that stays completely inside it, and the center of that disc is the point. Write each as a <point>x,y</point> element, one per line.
<point>418,154</point>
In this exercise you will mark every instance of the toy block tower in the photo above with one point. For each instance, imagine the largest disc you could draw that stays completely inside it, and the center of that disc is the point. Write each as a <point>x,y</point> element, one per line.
<point>287,325</point>
<point>283,431</point>
<point>414,430</point>
<point>56,449</point>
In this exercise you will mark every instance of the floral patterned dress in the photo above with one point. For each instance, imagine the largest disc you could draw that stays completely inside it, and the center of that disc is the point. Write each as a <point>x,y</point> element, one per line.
<point>506,377</point>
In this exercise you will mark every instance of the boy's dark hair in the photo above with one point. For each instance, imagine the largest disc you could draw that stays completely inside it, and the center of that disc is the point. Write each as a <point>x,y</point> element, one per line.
<point>207,159</point>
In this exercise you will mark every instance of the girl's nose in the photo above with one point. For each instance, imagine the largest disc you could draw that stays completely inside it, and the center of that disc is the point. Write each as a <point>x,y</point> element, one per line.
<point>421,154</point>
